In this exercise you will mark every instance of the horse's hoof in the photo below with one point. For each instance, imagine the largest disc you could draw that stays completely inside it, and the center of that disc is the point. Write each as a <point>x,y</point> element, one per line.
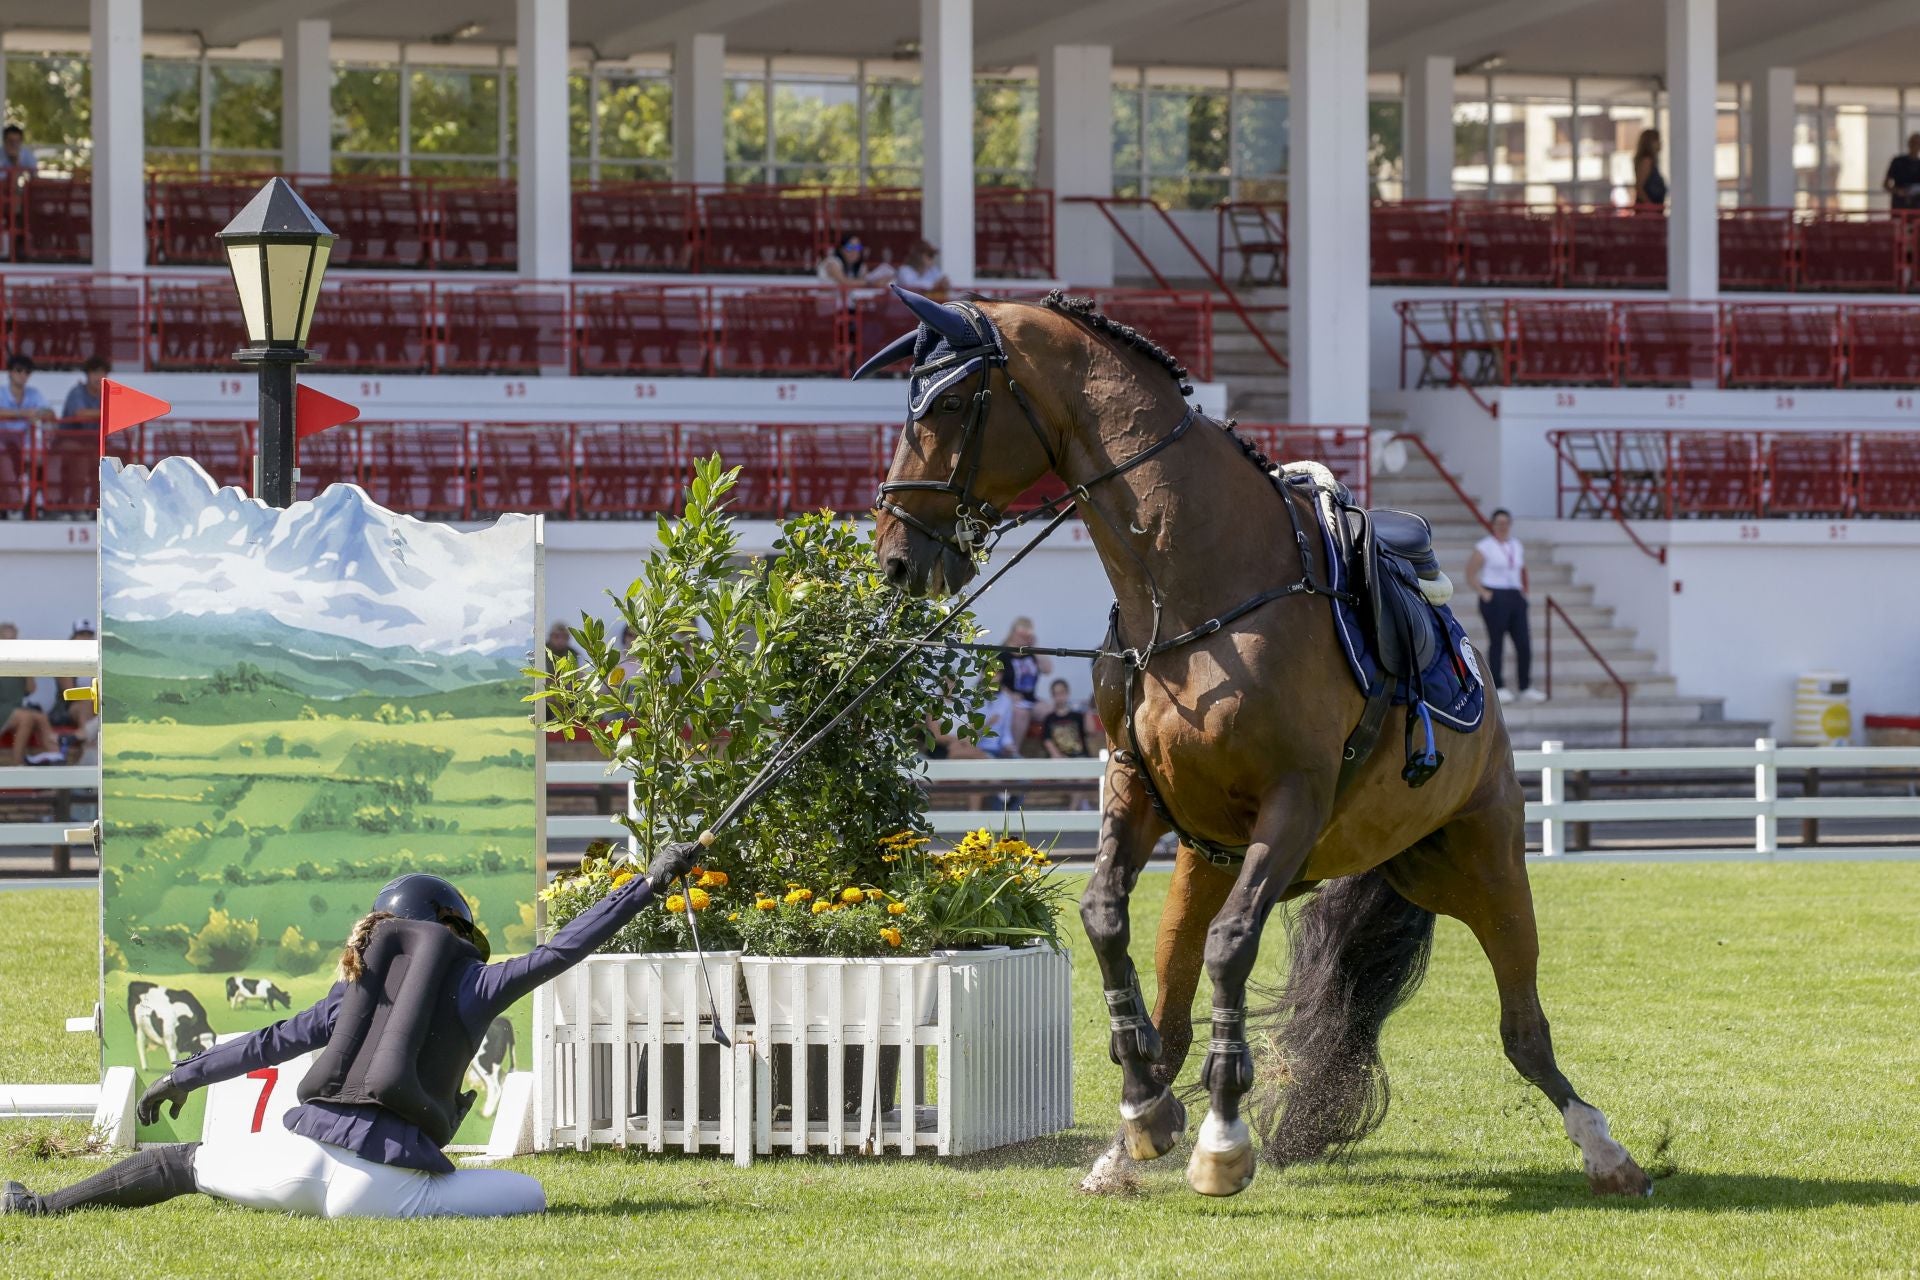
<point>1152,1130</point>
<point>1113,1174</point>
<point>1222,1163</point>
<point>1623,1179</point>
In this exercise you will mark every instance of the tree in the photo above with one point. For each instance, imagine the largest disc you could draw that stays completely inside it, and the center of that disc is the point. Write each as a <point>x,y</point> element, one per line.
<point>298,954</point>
<point>224,943</point>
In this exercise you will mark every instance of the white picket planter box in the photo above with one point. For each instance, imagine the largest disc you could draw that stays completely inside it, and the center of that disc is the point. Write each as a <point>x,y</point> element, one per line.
<point>947,1054</point>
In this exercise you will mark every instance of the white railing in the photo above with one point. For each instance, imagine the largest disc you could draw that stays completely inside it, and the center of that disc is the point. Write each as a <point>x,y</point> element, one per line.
<point>78,658</point>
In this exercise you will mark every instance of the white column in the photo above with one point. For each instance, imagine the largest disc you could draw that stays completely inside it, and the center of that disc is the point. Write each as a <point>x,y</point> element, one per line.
<point>946,113</point>
<point>306,96</point>
<point>1076,156</point>
<point>1429,128</point>
<point>1772,131</point>
<point>545,210</point>
<point>1327,209</point>
<point>119,138</point>
<point>700,108</point>
<point>1693,229</point>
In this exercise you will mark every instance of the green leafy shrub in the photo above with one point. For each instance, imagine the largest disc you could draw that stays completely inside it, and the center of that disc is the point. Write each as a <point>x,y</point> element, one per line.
<point>298,955</point>
<point>224,943</point>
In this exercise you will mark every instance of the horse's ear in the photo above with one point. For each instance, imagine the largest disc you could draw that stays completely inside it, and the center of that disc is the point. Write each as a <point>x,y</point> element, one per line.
<point>937,316</point>
<point>899,349</point>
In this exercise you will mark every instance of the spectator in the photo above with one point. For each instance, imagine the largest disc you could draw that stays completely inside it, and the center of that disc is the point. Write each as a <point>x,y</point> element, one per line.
<point>82,408</point>
<point>1498,572</point>
<point>944,744</point>
<point>921,272</point>
<point>25,729</point>
<point>1903,176</point>
<point>846,264</point>
<point>1649,188</point>
<point>559,642</point>
<point>1066,732</point>
<point>72,716</point>
<point>1000,739</point>
<point>1020,674</point>
<point>16,157</point>
<point>18,401</point>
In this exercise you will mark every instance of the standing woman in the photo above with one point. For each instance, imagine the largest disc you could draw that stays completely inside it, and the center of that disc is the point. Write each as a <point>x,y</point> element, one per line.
<point>1649,187</point>
<point>395,1035</point>
<point>1498,572</point>
<point>1020,677</point>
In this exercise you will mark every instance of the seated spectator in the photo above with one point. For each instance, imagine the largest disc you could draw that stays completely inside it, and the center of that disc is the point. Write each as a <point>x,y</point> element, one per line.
<point>16,157</point>
<point>922,272</point>
<point>1903,176</point>
<point>1020,674</point>
<point>71,717</point>
<point>1000,740</point>
<point>944,744</point>
<point>560,641</point>
<point>1067,731</point>
<point>846,264</point>
<point>24,728</point>
<point>18,401</point>
<point>82,408</point>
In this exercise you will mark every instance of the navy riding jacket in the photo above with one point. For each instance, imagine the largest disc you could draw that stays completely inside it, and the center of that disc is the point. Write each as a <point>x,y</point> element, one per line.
<point>486,990</point>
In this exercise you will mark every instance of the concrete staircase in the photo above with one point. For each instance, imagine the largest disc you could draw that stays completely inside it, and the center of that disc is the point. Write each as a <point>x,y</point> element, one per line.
<point>1585,708</point>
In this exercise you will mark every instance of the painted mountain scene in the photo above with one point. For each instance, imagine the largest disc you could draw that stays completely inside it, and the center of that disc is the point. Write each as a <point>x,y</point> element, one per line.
<point>298,706</point>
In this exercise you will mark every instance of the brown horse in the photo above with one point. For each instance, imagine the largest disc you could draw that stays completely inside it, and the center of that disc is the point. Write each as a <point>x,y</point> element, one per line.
<point>1239,731</point>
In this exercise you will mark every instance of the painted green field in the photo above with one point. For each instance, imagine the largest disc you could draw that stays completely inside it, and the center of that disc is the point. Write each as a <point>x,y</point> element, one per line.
<point>1751,1030</point>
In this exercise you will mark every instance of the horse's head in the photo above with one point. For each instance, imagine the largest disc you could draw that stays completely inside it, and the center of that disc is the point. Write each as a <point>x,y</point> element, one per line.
<point>973,442</point>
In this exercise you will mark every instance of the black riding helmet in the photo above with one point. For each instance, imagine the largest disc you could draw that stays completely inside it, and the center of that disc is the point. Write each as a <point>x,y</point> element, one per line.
<point>423,897</point>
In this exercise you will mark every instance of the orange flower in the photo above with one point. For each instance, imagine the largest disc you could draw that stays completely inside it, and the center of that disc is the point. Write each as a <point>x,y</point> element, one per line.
<point>712,880</point>
<point>852,895</point>
<point>819,907</point>
<point>699,899</point>
<point>896,908</point>
<point>676,904</point>
<point>893,936</point>
<point>765,904</point>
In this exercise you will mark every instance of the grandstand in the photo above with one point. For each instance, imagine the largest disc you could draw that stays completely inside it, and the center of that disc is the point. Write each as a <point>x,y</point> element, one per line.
<point>578,245</point>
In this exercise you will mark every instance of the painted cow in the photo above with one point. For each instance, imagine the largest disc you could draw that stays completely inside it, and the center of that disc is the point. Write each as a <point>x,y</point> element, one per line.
<point>488,1070</point>
<point>244,991</point>
<point>169,1019</point>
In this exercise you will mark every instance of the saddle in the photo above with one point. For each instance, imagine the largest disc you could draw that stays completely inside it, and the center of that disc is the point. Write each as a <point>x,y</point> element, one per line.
<point>1400,580</point>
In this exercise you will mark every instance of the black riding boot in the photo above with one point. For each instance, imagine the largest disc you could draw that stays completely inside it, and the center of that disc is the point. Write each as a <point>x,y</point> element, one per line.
<point>155,1174</point>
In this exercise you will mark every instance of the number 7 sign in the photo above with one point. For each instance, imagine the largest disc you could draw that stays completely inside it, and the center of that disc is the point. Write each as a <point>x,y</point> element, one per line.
<point>250,1108</point>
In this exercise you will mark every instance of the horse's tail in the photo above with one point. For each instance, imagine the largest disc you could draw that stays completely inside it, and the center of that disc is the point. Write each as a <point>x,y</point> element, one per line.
<point>1359,952</point>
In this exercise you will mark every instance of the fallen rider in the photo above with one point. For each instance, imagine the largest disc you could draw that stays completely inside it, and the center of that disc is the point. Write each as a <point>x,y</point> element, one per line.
<point>396,1033</point>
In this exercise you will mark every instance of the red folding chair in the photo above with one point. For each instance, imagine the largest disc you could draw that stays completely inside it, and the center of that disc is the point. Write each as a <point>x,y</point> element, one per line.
<point>1785,345</point>
<point>1013,232</point>
<point>1667,344</point>
<point>56,220</point>
<point>627,470</point>
<point>60,322</point>
<point>1713,473</point>
<point>1888,480</point>
<point>523,468</point>
<point>374,327</point>
<point>418,467</point>
<point>1808,473</point>
<point>196,324</point>
<point>1882,345</point>
<point>503,329</point>
<point>479,226</point>
<point>192,211</point>
<point>835,468</point>
<point>780,331</point>
<point>330,458</point>
<point>1610,248</point>
<point>753,449</point>
<point>69,471</point>
<point>887,222</point>
<point>1412,242</point>
<point>1560,342</point>
<point>224,450</point>
<point>1507,244</point>
<point>1756,249</point>
<point>641,330</point>
<point>759,231</point>
<point>1862,252</point>
<point>16,468</point>
<point>635,226</point>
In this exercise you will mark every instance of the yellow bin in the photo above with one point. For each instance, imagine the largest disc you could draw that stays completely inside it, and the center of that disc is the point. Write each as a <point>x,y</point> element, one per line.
<point>1823,709</point>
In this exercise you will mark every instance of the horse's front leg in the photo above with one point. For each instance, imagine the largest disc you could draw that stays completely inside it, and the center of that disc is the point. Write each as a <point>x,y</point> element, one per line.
<point>1290,819</point>
<point>1152,1119</point>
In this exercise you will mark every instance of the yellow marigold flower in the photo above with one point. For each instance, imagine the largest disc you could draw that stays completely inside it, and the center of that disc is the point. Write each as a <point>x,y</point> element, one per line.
<point>676,904</point>
<point>799,895</point>
<point>733,917</point>
<point>819,907</point>
<point>765,904</point>
<point>896,908</point>
<point>878,895</point>
<point>621,876</point>
<point>852,895</point>
<point>699,899</point>
<point>889,857</point>
<point>893,936</point>
<point>713,880</point>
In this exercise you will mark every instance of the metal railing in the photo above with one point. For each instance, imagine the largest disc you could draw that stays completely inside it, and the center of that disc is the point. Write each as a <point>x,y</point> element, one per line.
<point>1553,608</point>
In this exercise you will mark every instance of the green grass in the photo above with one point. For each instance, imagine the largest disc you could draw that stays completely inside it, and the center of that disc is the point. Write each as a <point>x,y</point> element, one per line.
<point>1759,1021</point>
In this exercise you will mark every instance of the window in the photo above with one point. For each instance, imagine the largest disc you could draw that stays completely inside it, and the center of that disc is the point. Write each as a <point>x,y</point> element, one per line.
<point>50,97</point>
<point>1006,132</point>
<point>630,136</point>
<point>366,119</point>
<point>453,123</point>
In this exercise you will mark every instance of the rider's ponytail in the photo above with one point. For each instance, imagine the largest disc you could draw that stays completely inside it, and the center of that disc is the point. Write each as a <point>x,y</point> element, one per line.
<point>352,957</point>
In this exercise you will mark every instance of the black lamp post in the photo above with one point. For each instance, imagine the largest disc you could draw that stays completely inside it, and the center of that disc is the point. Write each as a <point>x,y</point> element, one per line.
<point>278,252</point>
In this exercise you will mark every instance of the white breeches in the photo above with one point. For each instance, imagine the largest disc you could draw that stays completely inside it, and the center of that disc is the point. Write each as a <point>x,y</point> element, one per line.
<point>294,1174</point>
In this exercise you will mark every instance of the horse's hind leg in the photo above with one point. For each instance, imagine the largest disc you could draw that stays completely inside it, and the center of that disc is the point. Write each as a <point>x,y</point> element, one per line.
<point>1475,870</point>
<point>1152,1118</point>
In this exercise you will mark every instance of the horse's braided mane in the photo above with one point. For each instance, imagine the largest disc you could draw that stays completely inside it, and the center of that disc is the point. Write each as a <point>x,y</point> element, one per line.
<point>1082,309</point>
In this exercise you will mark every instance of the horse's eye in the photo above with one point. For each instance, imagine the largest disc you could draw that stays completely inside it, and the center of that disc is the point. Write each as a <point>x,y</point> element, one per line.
<point>949,404</point>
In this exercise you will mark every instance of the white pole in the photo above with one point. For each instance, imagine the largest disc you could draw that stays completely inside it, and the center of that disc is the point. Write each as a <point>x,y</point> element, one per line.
<point>1766,789</point>
<point>946,112</point>
<point>1693,229</point>
<point>700,108</point>
<point>1076,156</point>
<point>119,138</point>
<point>1327,211</point>
<point>306,96</point>
<point>1429,128</point>
<point>546,180</point>
<point>1773,110</point>
<point>1553,793</point>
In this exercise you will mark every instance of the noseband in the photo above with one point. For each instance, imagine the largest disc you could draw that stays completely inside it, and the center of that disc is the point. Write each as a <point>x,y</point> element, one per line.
<point>975,519</point>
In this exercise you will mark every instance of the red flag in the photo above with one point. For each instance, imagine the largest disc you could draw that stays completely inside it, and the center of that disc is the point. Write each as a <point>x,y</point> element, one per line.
<point>122,407</point>
<point>315,411</point>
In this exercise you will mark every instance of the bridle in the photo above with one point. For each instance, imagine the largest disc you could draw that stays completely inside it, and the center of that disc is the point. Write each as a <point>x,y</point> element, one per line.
<point>977,523</point>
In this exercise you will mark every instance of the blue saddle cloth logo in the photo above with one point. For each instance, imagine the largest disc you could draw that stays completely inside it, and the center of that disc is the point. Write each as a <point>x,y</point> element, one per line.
<point>1451,687</point>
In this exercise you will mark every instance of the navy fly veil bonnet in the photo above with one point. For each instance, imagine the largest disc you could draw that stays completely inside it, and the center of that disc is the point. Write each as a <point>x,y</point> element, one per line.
<point>949,344</point>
